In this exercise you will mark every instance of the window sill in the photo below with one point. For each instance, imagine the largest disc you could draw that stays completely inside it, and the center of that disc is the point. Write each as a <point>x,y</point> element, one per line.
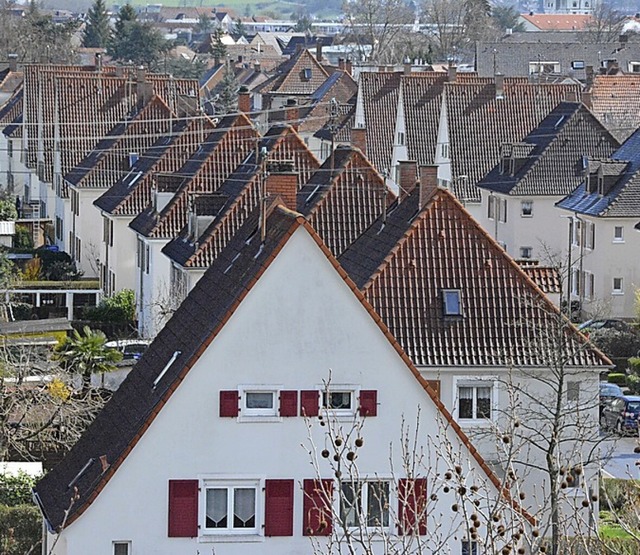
<point>256,418</point>
<point>618,241</point>
<point>617,293</point>
<point>474,423</point>
<point>230,538</point>
<point>526,215</point>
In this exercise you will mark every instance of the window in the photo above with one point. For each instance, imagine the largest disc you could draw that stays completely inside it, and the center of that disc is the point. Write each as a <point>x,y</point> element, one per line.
<point>306,74</point>
<point>575,281</point>
<point>474,401</point>
<point>618,234</point>
<point>231,507</point>
<point>365,503</point>
<point>576,229</point>
<point>590,235</point>
<point>259,403</point>
<point>502,211</point>
<point>400,138</point>
<point>451,302</point>
<point>578,64</point>
<point>634,67</point>
<point>526,208</point>
<point>544,67</point>
<point>337,400</point>
<point>121,548</point>
<point>469,547</point>
<point>618,286</point>
<point>589,285</point>
<point>445,150</point>
<point>573,392</point>
<point>526,252</point>
<point>491,207</point>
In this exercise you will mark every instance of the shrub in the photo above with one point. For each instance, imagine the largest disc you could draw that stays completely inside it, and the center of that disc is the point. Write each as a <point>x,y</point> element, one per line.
<point>120,308</point>
<point>633,383</point>
<point>16,489</point>
<point>22,239</point>
<point>616,343</point>
<point>617,378</point>
<point>20,529</point>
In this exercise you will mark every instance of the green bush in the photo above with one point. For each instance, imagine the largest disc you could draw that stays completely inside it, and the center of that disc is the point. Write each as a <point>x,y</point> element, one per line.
<point>22,239</point>
<point>615,343</point>
<point>120,308</point>
<point>20,529</point>
<point>16,489</point>
<point>617,378</point>
<point>633,383</point>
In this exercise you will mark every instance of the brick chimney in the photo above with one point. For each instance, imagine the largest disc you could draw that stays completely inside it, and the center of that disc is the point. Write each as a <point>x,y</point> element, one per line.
<point>407,178</point>
<point>589,76</point>
<point>499,81</point>
<point>98,61</point>
<point>119,72</point>
<point>319,50</point>
<point>407,67</point>
<point>144,89</point>
<point>341,65</point>
<point>348,66</point>
<point>586,99</point>
<point>257,67</point>
<point>428,183</point>
<point>452,73</point>
<point>244,100</point>
<point>285,185</point>
<point>359,139</point>
<point>13,62</point>
<point>291,113</point>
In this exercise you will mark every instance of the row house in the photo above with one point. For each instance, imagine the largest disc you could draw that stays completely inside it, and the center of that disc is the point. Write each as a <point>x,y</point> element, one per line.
<point>456,121</point>
<point>202,448</point>
<point>615,101</point>
<point>602,213</point>
<point>519,194</point>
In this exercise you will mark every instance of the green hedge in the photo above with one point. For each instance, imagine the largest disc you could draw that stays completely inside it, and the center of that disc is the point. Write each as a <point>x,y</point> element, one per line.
<point>20,530</point>
<point>617,378</point>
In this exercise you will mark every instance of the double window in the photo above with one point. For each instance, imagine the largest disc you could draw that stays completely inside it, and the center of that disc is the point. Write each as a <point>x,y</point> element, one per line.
<point>122,548</point>
<point>526,208</point>
<point>618,234</point>
<point>365,504</point>
<point>230,508</point>
<point>618,286</point>
<point>474,400</point>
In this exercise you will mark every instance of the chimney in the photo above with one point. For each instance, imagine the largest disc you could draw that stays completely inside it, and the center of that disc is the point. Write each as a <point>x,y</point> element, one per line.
<point>98,62</point>
<point>144,89</point>
<point>291,113</point>
<point>499,81</point>
<point>256,67</point>
<point>408,175</point>
<point>319,50</point>
<point>341,65</point>
<point>586,99</point>
<point>141,75</point>
<point>13,62</point>
<point>359,139</point>
<point>589,76</point>
<point>428,183</point>
<point>407,66</point>
<point>119,72</point>
<point>348,66</point>
<point>571,96</point>
<point>244,100</point>
<point>452,73</point>
<point>285,185</point>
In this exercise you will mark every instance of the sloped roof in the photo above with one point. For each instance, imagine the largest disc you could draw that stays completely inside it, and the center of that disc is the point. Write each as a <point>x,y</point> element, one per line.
<point>554,165</point>
<point>339,86</point>
<point>343,125</point>
<point>116,430</point>
<point>623,199</point>
<point>290,76</point>
<point>547,278</point>
<point>109,160</point>
<point>615,101</point>
<point>558,22</point>
<point>12,108</point>
<point>403,264</point>
<point>132,193</point>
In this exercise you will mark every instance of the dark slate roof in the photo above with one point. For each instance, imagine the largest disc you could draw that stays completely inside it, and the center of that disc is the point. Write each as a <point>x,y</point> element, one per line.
<point>16,125</point>
<point>552,162</point>
<point>403,264</point>
<point>132,407</point>
<point>14,102</point>
<point>623,199</point>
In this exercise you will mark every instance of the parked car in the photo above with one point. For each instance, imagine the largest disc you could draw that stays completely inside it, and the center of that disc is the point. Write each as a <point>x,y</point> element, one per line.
<point>131,349</point>
<point>608,392</point>
<point>621,414</point>
<point>592,325</point>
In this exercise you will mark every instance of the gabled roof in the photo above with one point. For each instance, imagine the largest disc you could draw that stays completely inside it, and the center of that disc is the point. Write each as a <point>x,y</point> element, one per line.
<point>344,123</point>
<point>242,191</point>
<point>119,426</point>
<point>547,278</point>
<point>615,101</point>
<point>339,86</point>
<point>301,75</point>
<point>132,193</point>
<point>214,160</point>
<point>553,166</point>
<point>558,22</point>
<point>404,264</point>
<point>623,198</point>
<point>109,160</point>
<point>12,108</point>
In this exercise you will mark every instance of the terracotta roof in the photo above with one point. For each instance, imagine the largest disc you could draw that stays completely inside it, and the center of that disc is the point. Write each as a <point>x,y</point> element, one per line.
<point>343,125</point>
<point>217,157</point>
<point>615,100</point>
<point>10,81</point>
<point>109,160</point>
<point>291,77</point>
<point>339,86</point>
<point>622,200</point>
<point>552,164</point>
<point>242,191</point>
<point>546,278</point>
<point>198,321</point>
<point>558,22</point>
<point>132,193</point>
<point>404,264</point>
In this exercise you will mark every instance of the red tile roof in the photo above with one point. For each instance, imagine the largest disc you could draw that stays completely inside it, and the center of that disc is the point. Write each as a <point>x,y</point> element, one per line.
<point>615,101</point>
<point>558,22</point>
<point>290,76</point>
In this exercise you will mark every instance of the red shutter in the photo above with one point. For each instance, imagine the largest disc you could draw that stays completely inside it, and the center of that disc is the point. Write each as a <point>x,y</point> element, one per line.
<point>229,403</point>
<point>183,508</point>
<point>412,504</point>
<point>309,403</point>
<point>278,508</point>
<point>316,520</point>
<point>368,402</point>
<point>288,403</point>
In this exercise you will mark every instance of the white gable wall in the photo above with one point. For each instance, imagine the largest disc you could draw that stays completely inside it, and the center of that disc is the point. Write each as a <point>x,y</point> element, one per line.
<point>299,321</point>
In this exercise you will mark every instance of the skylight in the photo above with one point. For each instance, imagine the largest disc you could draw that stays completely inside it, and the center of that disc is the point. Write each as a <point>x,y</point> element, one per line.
<point>451,303</point>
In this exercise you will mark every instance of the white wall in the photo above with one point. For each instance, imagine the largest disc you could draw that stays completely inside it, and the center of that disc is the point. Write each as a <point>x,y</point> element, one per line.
<point>152,289</point>
<point>295,326</point>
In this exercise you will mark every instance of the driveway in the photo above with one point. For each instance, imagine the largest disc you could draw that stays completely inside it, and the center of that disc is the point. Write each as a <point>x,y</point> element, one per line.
<point>621,463</point>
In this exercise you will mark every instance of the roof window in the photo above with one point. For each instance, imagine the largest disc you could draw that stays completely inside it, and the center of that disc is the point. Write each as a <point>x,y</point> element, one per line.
<point>451,303</point>
<point>306,73</point>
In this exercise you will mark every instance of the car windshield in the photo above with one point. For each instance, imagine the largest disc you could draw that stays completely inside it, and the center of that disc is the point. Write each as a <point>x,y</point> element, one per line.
<point>633,406</point>
<point>610,390</point>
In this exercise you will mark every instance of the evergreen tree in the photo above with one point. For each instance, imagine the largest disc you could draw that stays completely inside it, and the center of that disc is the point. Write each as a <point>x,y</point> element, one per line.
<point>228,100</point>
<point>97,31</point>
<point>218,48</point>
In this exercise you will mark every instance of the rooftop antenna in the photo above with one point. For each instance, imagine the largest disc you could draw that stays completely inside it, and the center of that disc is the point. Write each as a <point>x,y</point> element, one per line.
<point>261,155</point>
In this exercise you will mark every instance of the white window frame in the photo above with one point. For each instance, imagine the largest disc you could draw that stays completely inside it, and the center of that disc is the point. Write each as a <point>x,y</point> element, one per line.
<point>116,543</point>
<point>492,207</point>
<point>444,150</point>
<point>445,310</point>
<point>526,209</point>
<point>502,210</point>
<point>576,232</point>
<point>589,285</point>
<point>542,67</point>
<point>361,482</point>
<point>618,238</point>
<point>475,382</point>
<point>526,253</point>
<point>354,390</point>
<point>575,282</point>
<point>401,138</point>
<point>254,414</point>
<point>634,67</point>
<point>617,290</point>
<point>230,483</point>
<point>589,235</point>
<point>473,546</point>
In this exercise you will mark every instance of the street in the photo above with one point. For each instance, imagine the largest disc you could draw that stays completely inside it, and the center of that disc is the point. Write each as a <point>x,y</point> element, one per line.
<point>621,464</point>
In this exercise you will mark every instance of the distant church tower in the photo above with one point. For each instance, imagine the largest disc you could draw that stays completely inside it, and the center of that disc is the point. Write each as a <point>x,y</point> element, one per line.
<point>569,6</point>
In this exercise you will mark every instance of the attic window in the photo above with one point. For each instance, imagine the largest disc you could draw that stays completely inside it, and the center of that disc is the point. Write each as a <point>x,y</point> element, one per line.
<point>577,64</point>
<point>451,304</point>
<point>634,67</point>
<point>306,73</point>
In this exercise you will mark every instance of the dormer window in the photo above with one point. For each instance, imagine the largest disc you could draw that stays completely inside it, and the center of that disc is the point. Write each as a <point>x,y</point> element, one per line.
<point>306,73</point>
<point>451,303</point>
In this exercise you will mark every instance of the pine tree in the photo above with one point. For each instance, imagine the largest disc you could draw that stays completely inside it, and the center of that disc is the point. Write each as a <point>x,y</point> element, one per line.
<point>97,31</point>
<point>228,91</point>
<point>218,48</point>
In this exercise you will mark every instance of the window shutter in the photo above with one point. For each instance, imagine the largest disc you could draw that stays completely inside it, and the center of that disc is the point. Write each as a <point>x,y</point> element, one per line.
<point>278,510</point>
<point>368,402</point>
<point>288,403</point>
<point>435,385</point>
<point>309,403</point>
<point>316,520</point>
<point>183,508</point>
<point>412,504</point>
<point>229,403</point>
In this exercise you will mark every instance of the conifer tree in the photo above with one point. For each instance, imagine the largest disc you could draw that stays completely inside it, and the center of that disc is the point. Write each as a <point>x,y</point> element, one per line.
<point>97,31</point>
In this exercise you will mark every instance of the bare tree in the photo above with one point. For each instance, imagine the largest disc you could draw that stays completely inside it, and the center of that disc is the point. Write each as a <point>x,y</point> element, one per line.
<point>606,24</point>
